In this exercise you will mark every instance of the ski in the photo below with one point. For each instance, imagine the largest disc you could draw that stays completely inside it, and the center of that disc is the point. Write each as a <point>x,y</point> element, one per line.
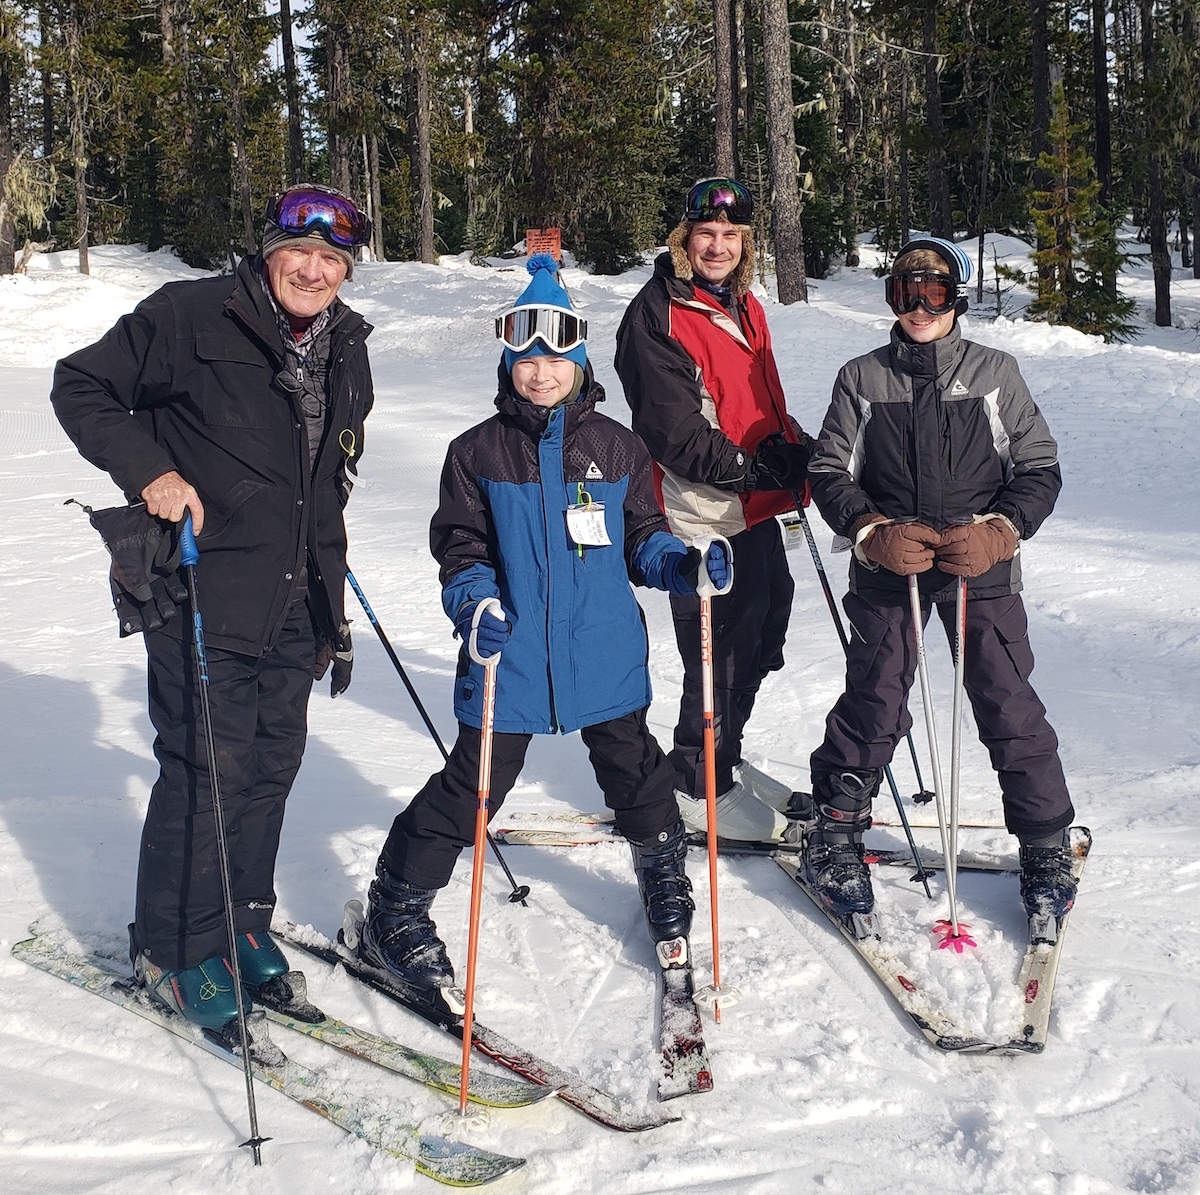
<point>1035,984</point>
<point>1040,967</point>
<point>589,1100</point>
<point>593,833</point>
<point>492,1091</point>
<point>685,1064</point>
<point>446,1161</point>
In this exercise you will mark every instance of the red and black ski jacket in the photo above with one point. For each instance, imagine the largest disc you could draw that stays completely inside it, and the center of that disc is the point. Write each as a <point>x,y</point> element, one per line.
<point>704,394</point>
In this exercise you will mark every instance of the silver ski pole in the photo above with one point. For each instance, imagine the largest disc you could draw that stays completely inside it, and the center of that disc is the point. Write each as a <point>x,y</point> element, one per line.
<point>960,655</point>
<point>914,598</point>
<point>190,556</point>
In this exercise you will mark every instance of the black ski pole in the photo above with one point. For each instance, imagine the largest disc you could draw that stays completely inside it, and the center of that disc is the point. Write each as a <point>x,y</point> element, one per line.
<point>922,875</point>
<point>519,891</point>
<point>190,557</point>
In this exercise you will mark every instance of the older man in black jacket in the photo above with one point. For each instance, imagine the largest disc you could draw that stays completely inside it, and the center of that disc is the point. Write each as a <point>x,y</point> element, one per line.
<point>240,400</point>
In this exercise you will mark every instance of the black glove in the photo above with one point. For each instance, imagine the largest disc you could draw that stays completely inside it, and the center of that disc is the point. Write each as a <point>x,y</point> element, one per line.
<point>780,465</point>
<point>339,653</point>
<point>144,576</point>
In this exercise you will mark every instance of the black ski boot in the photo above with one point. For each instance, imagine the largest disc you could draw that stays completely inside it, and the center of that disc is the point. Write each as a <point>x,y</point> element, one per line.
<point>665,888</point>
<point>832,865</point>
<point>399,937</point>
<point>1047,883</point>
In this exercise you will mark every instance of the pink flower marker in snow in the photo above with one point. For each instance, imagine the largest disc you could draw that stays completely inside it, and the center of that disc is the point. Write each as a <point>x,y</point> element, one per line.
<point>958,941</point>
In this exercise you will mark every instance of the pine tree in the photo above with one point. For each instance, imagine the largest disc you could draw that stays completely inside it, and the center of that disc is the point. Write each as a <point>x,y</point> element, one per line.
<point>1080,253</point>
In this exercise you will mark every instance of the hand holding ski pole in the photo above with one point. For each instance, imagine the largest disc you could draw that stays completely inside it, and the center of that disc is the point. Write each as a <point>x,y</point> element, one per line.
<point>715,579</point>
<point>489,609</point>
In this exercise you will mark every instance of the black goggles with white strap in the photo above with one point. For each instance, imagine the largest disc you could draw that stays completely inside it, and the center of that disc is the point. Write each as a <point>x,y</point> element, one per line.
<point>558,328</point>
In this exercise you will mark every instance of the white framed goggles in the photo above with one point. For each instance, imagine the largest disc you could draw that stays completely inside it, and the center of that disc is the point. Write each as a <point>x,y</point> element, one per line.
<point>558,328</point>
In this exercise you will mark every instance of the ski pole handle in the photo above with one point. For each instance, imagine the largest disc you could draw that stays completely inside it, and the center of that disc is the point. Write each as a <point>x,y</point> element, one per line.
<point>486,605</point>
<point>705,586</point>
<point>187,541</point>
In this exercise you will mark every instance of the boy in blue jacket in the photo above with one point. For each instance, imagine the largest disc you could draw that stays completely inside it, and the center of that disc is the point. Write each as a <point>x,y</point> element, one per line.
<point>548,506</point>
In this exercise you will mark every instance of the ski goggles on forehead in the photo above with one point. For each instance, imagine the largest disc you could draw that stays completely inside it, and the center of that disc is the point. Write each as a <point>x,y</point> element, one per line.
<point>303,210</point>
<point>935,292</point>
<point>558,328</point>
<point>712,196</point>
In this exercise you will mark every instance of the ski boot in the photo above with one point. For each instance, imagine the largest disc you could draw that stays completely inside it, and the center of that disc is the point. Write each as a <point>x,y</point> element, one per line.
<point>268,980</point>
<point>399,937</point>
<point>741,816</point>
<point>663,883</point>
<point>203,994</point>
<point>1047,884</point>
<point>832,865</point>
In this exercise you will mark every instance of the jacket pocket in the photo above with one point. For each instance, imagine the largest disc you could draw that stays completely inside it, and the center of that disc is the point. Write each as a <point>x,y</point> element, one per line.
<point>219,512</point>
<point>233,382</point>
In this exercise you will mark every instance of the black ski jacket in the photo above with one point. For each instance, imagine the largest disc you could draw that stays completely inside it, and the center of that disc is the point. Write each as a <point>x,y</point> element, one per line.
<point>187,382</point>
<point>938,432</point>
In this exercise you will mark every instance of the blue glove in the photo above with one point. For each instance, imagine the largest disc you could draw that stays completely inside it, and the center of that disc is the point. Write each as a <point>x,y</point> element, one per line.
<point>680,571</point>
<point>492,634</point>
<point>718,565</point>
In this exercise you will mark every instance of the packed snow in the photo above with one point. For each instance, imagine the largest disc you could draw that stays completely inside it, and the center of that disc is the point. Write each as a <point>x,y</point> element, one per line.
<point>821,1084</point>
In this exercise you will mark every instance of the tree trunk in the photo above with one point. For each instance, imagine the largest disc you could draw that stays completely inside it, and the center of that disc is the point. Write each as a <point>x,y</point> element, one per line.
<point>8,232</point>
<point>337,91</point>
<point>238,114</point>
<point>941,222</point>
<point>377,251</point>
<point>983,186</point>
<point>78,141</point>
<point>420,142</point>
<point>725,156</point>
<point>1039,133</point>
<point>851,122</point>
<point>787,231</point>
<point>47,80</point>
<point>292,90</point>
<point>1160,253</point>
<point>905,195</point>
<point>1103,121</point>
<point>1195,225</point>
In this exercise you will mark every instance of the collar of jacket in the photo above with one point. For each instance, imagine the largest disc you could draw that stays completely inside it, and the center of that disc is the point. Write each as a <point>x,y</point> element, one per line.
<point>252,307</point>
<point>532,418</point>
<point>933,360</point>
<point>688,295</point>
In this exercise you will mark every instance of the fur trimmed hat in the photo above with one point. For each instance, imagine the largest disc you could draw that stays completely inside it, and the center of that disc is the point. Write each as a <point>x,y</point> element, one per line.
<point>743,275</point>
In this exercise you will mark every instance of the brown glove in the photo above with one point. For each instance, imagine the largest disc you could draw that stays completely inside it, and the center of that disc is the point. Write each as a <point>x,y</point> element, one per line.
<point>903,548</point>
<point>971,550</point>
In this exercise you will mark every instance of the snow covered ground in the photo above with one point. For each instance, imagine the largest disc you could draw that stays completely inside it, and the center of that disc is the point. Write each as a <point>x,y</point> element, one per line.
<point>821,1085</point>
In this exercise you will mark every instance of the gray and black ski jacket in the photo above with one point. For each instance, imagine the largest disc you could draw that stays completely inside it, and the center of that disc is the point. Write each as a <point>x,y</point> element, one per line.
<point>937,432</point>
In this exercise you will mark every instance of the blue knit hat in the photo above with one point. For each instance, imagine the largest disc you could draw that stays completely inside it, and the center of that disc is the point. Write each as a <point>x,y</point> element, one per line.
<point>545,290</point>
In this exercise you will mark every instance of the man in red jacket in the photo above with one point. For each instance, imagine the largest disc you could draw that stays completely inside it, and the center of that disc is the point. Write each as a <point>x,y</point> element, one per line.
<point>694,356</point>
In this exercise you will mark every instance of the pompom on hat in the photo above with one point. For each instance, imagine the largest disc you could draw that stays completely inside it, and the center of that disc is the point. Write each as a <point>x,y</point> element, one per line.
<point>544,291</point>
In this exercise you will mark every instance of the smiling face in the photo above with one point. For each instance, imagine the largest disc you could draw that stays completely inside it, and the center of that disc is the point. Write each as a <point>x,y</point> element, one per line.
<point>544,381</point>
<point>305,278</point>
<point>922,328</point>
<point>714,248</point>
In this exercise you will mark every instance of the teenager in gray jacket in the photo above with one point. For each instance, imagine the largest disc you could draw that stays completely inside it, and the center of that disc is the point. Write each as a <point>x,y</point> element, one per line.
<point>934,460</point>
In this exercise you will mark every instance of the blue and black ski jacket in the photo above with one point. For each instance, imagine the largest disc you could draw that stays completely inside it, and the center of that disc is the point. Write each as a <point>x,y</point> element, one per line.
<point>578,651</point>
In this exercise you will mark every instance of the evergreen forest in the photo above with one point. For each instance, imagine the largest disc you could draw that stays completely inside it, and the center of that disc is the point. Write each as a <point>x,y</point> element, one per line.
<point>458,124</point>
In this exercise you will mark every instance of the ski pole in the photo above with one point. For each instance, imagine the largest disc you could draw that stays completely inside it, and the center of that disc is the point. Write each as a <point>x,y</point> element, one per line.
<point>914,598</point>
<point>922,873</point>
<point>519,891</point>
<point>490,664</point>
<point>190,556</point>
<point>707,590</point>
<point>960,655</point>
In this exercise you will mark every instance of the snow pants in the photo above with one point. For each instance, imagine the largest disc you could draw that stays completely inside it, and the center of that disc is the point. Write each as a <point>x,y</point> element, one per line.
<point>631,769</point>
<point>872,716</point>
<point>260,721</point>
<point>749,629</point>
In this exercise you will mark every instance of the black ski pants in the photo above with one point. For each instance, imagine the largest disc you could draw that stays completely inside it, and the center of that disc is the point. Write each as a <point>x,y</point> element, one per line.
<point>631,769</point>
<point>872,715</point>
<point>260,721</point>
<point>749,629</point>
